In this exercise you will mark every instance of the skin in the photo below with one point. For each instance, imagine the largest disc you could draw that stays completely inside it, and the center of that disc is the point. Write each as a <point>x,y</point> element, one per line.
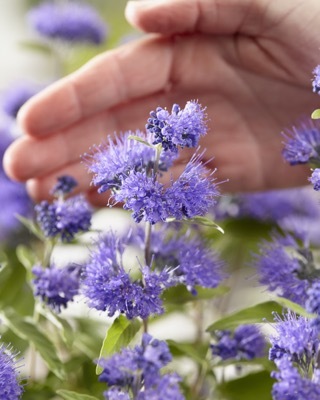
<point>249,62</point>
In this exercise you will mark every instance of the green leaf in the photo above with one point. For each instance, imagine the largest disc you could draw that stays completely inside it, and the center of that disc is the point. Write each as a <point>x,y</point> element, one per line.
<point>250,315</point>
<point>31,226</point>
<point>36,46</point>
<point>293,306</point>
<point>67,395</point>
<point>26,256</point>
<point>140,139</point>
<point>119,335</point>
<point>250,387</point>
<point>195,352</point>
<point>27,330</point>
<point>316,114</point>
<point>199,221</point>
<point>180,295</point>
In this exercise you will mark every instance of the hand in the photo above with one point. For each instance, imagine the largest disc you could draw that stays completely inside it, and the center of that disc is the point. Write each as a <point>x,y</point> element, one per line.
<point>249,62</point>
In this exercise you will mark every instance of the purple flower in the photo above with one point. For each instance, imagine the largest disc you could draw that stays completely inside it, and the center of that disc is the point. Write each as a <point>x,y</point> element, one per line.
<point>316,80</point>
<point>315,179</point>
<point>64,218</point>
<point>302,143</point>
<point>193,193</point>
<point>68,21</point>
<point>15,97</point>
<point>286,268</point>
<point>313,302</point>
<point>291,385</point>
<point>108,287</point>
<point>64,185</point>
<point>10,387</point>
<point>144,196</point>
<point>56,286</point>
<point>296,339</point>
<point>181,127</point>
<point>112,162</point>
<point>245,343</point>
<point>138,370</point>
<point>272,205</point>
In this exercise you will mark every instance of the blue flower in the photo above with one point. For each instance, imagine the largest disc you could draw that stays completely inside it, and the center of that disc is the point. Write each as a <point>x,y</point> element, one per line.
<point>10,387</point>
<point>302,143</point>
<point>313,302</point>
<point>68,21</point>
<point>286,268</point>
<point>291,385</point>
<point>316,80</point>
<point>181,127</point>
<point>245,343</point>
<point>108,287</point>
<point>315,179</point>
<point>64,185</point>
<point>112,162</point>
<point>64,218</point>
<point>15,97</point>
<point>138,370</point>
<point>144,196</point>
<point>56,286</point>
<point>193,193</point>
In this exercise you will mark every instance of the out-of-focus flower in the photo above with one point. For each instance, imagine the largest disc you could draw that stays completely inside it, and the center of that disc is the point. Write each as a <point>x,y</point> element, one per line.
<point>10,387</point>
<point>68,21</point>
<point>315,179</point>
<point>316,80</point>
<point>64,185</point>
<point>56,286</point>
<point>245,343</point>
<point>15,96</point>
<point>302,143</point>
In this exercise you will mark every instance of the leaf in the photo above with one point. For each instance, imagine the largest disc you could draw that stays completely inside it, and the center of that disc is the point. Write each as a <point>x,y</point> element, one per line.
<point>140,139</point>
<point>250,315</point>
<point>31,226</point>
<point>27,330</point>
<point>67,395</point>
<point>199,221</point>
<point>195,352</point>
<point>250,387</point>
<point>26,256</point>
<point>316,114</point>
<point>180,295</point>
<point>286,303</point>
<point>36,46</point>
<point>119,335</point>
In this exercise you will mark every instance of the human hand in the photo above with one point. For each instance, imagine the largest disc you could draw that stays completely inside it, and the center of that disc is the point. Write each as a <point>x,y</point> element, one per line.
<point>249,62</point>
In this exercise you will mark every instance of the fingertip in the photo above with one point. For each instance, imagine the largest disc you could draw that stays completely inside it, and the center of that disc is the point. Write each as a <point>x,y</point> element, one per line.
<point>144,14</point>
<point>11,163</point>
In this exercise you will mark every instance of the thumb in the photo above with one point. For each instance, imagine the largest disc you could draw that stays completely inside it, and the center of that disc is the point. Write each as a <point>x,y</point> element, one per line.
<point>206,16</point>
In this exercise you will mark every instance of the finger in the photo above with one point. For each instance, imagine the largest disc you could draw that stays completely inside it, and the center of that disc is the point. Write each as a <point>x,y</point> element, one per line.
<point>207,16</point>
<point>116,77</point>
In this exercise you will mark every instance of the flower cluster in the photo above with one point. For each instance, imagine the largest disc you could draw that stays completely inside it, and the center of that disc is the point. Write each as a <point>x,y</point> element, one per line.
<point>295,350</point>
<point>10,387</point>
<point>108,287</point>
<point>245,343</point>
<point>68,21</point>
<point>56,286</point>
<point>137,371</point>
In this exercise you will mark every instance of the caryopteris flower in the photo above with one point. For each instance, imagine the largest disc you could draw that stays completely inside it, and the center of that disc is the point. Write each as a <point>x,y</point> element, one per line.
<point>315,179</point>
<point>138,371</point>
<point>108,287</point>
<point>302,143</point>
<point>112,162</point>
<point>181,127</point>
<point>68,21</point>
<point>286,268</point>
<point>64,218</point>
<point>10,387</point>
<point>56,286</point>
<point>15,97</point>
<point>295,350</point>
<point>64,185</point>
<point>245,343</point>
<point>316,80</point>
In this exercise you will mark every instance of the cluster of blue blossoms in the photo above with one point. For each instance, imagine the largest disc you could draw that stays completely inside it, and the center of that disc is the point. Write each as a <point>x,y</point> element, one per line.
<point>137,372</point>
<point>10,386</point>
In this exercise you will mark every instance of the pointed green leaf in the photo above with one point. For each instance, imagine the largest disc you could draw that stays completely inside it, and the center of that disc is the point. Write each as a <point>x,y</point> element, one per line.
<point>198,220</point>
<point>27,330</point>
<point>196,353</point>
<point>293,306</point>
<point>31,226</point>
<point>36,46</point>
<point>26,256</point>
<point>141,140</point>
<point>119,335</point>
<point>250,315</point>
<point>316,114</point>
<point>180,295</point>
<point>68,395</point>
